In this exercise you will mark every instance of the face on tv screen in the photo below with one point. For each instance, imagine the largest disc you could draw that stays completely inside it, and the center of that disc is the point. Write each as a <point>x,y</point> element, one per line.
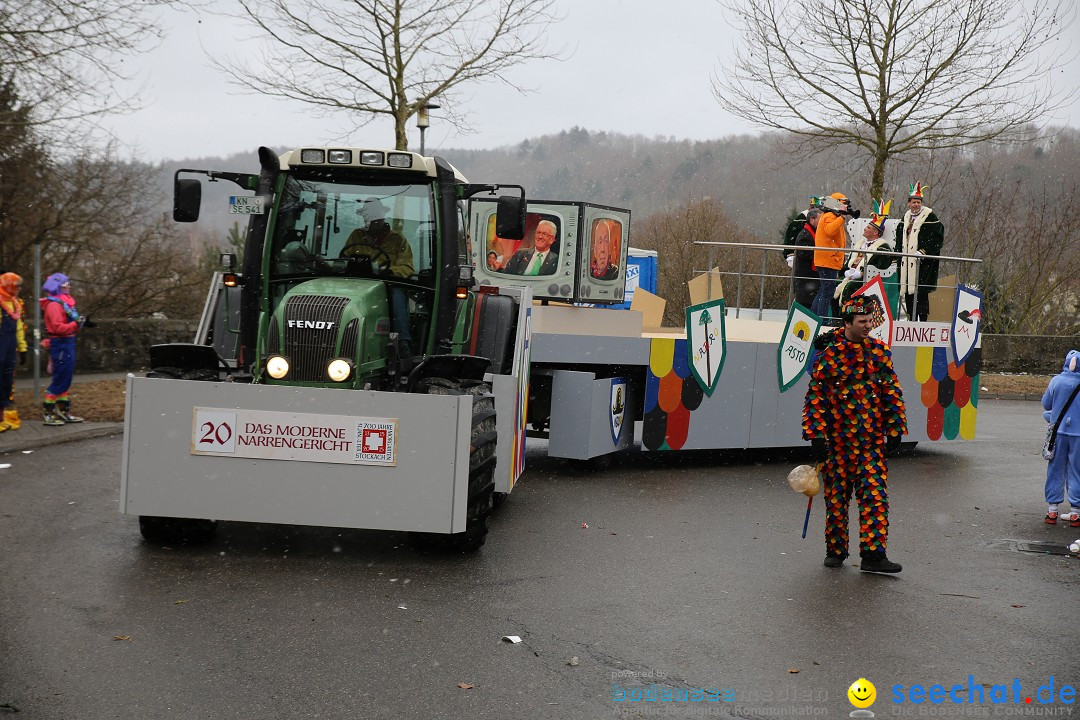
<point>605,244</point>
<point>535,255</point>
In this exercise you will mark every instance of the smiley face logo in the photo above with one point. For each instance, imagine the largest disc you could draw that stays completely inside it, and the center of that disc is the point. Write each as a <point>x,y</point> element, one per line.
<point>862,693</point>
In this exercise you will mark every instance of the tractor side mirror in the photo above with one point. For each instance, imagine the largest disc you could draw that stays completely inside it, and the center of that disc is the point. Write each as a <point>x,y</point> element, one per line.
<point>510,217</point>
<point>187,197</point>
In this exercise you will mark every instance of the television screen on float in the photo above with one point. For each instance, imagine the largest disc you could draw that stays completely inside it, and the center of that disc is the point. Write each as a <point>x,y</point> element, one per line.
<point>555,258</point>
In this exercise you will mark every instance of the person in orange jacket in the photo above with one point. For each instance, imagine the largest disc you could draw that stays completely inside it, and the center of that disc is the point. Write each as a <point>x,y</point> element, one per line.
<point>830,237</point>
<point>12,345</point>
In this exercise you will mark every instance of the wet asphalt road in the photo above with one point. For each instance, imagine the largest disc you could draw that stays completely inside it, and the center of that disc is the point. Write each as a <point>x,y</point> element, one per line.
<point>691,574</point>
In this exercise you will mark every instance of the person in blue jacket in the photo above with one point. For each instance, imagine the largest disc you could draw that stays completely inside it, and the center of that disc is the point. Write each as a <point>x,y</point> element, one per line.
<point>1063,472</point>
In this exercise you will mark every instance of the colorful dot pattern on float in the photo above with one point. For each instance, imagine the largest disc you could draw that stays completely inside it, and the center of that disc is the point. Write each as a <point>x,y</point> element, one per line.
<point>949,392</point>
<point>671,394</point>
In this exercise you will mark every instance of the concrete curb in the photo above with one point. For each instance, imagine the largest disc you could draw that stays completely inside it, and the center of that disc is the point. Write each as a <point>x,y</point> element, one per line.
<point>1010,396</point>
<point>33,434</point>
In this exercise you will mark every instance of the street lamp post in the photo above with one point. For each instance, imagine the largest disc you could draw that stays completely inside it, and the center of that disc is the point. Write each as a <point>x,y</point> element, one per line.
<point>423,121</point>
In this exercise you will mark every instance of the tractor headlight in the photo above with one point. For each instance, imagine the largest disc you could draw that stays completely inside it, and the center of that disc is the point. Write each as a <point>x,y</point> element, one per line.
<point>277,367</point>
<point>339,369</point>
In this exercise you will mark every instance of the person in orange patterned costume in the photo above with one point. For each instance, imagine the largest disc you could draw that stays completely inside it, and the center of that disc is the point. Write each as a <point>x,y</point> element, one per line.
<point>854,410</point>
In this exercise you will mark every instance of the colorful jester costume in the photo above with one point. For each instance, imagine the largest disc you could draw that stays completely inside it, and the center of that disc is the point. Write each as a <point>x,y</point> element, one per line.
<point>855,405</point>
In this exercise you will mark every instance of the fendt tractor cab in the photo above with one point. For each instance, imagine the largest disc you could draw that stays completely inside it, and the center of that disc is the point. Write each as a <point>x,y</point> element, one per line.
<point>354,277</point>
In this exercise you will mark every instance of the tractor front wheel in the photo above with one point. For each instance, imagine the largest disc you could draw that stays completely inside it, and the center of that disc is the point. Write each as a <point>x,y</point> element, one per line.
<point>482,443</point>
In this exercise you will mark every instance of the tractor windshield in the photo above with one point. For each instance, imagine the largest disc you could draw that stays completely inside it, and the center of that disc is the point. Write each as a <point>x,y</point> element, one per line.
<point>328,226</point>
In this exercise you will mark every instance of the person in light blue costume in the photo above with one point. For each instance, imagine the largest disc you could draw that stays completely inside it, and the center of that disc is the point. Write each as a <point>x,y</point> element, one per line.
<point>1063,472</point>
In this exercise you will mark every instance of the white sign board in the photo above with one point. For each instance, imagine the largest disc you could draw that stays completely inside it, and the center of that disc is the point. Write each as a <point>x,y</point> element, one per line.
<point>294,436</point>
<point>921,334</point>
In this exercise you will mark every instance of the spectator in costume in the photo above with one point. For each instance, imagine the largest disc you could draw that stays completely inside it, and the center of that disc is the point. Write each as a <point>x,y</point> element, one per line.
<point>854,409</point>
<point>920,232</point>
<point>1063,472</point>
<point>864,267</point>
<point>62,324</point>
<point>12,346</point>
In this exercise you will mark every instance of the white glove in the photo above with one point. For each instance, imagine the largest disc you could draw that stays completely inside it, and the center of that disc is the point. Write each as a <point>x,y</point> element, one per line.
<point>853,274</point>
<point>790,260</point>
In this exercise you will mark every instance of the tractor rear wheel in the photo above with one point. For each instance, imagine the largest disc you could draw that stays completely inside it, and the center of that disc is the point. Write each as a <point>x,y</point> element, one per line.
<point>482,443</point>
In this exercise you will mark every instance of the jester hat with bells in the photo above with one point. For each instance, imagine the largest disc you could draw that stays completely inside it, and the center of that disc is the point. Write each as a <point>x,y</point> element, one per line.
<point>915,192</point>
<point>865,305</point>
<point>879,215</point>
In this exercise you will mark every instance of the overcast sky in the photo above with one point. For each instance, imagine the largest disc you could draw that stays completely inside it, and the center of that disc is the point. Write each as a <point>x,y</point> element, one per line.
<point>647,72</point>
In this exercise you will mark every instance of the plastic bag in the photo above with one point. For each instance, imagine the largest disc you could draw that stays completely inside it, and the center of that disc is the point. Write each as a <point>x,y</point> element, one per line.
<point>805,479</point>
<point>1049,443</point>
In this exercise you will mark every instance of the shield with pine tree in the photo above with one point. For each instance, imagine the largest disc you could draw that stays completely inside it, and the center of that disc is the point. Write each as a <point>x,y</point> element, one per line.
<point>706,342</point>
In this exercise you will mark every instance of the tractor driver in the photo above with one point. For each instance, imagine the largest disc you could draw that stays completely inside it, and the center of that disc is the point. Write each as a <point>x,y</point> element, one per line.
<point>385,248</point>
<point>389,250</point>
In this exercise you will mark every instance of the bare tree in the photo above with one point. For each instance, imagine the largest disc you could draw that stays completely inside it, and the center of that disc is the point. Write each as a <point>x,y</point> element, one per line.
<point>67,58</point>
<point>896,76</point>
<point>1030,274</point>
<point>99,220</point>
<point>387,57</point>
<point>673,234</point>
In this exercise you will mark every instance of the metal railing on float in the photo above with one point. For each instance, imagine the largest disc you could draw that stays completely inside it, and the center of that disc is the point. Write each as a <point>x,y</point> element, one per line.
<point>963,274</point>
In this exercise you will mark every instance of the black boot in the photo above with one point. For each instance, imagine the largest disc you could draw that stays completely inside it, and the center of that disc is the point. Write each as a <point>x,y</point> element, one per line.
<point>63,411</point>
<point>878,562</point>
<point>834,561</point>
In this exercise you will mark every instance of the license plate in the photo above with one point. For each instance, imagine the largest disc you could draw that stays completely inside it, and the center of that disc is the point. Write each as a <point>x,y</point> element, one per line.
<point>245,205</point>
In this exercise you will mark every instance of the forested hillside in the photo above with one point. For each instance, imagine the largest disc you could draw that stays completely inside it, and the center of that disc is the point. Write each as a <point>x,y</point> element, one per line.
<point>108,223</point>
<point>1008,205</point>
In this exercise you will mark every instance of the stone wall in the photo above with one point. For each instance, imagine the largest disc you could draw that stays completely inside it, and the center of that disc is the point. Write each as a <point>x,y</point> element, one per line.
<point>1035,354</point>
<point>123,345</point>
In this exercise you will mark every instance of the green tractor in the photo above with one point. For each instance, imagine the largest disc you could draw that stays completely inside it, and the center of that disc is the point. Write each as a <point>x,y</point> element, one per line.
<point>354,278</point>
